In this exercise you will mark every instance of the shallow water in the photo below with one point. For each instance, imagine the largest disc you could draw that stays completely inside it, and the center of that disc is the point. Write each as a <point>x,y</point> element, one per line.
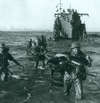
<point>36,81</point>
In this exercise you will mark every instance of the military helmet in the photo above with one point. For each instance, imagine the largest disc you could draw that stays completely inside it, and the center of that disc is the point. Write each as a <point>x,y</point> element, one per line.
<point>5,50</point>
<point>3,45</point>
<point>75,45</point>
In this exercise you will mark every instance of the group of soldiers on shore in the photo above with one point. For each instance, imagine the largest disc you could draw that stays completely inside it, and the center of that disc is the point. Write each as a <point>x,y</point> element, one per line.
<point>73,65</point>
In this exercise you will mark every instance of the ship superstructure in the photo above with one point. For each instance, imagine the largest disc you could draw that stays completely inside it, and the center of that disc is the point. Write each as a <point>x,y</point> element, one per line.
<point>68,24</point>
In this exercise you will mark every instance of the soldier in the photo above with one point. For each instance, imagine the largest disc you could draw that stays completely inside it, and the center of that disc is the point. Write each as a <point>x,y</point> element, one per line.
<point>4,57</point>
<point>42,41</point>
<point>29,46</point>
<point>40,52</point>
<point>79,60</point>
<point>36,40</point>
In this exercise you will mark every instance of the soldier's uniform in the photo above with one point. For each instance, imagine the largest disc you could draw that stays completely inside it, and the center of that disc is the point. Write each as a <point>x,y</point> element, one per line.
<point>40,52</point>
<point>42,41</point>
<point>78,75</point>
<point>29,46</point>
<point>4,57</point>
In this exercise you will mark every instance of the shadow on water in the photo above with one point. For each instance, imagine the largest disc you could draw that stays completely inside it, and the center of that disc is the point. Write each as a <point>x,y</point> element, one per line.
<point>57,82</point>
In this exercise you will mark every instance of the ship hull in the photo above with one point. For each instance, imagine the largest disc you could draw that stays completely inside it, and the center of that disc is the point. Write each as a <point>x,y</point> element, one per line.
<point>68,25</point>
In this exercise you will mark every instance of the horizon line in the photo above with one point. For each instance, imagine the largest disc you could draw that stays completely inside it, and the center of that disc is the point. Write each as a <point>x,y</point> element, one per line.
<point>34,31</point>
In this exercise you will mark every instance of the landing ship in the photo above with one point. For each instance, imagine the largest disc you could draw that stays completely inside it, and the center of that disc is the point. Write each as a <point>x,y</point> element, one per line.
<point>68,24</point>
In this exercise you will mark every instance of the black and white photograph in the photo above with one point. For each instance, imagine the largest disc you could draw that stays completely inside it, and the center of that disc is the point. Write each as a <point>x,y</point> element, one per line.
<point>49,51</point>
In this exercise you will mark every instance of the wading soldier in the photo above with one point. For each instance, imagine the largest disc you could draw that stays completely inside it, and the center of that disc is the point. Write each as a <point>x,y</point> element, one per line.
<point>78,75</point>
<point>29,46</point>
<point>4,57</point>
<point>40,52</point>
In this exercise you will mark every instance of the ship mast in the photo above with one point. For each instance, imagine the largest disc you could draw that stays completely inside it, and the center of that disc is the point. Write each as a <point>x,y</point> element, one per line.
<point>60,6</point>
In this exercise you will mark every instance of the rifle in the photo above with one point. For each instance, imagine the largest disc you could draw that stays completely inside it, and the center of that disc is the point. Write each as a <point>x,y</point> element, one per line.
<point>92,74</point>
<point>89,73</point>
<point>13,75</point>
<point>10,72</point>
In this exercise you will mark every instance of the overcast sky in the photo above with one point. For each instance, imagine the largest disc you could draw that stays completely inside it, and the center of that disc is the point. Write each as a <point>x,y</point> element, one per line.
<point>39,14</point>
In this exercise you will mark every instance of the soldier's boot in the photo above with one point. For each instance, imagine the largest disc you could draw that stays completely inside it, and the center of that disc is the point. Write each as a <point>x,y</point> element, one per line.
<point>37,62</point>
